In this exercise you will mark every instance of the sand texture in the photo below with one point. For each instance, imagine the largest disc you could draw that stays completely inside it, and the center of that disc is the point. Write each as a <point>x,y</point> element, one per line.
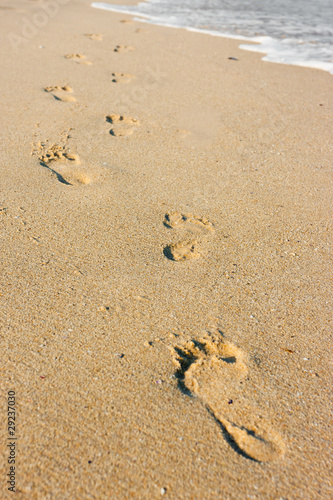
<point>165,272</point>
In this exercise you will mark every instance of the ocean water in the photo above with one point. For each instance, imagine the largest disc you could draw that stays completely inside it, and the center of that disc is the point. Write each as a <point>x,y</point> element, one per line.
<point>298,32</point>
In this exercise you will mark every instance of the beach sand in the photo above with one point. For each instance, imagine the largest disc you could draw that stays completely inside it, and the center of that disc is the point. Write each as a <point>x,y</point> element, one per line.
<point>165,230</point>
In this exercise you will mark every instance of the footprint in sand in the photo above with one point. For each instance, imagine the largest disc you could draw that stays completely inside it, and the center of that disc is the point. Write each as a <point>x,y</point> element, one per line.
<point>213,370</point>
<point>61,93</point>
<point>188,225</point>
<point>123,48</point>
<point>78,58</point>
<point>94,36</point>
<point>121,124</point>
<point>188,222</point>
<point>182,250</point>
<point>122,77</point>
<point>63,164</point>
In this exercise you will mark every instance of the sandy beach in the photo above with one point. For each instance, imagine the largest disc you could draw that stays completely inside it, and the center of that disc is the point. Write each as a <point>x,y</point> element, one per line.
<point>165,301</point>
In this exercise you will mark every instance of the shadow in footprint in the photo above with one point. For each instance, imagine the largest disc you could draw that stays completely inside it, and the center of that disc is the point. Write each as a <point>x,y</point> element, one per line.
<point>185,362</point>
<point>230,360</point>
<point>230,440</point>
<point>58,176</point>
<point>167,252</point>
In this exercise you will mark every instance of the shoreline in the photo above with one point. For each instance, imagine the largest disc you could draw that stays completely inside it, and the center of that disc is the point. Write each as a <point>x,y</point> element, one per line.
<point>262,44</point>
<point>166,216</point>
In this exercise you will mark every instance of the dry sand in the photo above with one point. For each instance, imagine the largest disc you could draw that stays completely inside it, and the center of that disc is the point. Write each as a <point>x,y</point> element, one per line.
<point>165,229</point>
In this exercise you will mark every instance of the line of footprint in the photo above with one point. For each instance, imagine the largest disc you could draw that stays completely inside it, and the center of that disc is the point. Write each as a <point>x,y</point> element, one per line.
<point>57,158</point>
<point>212,369</point>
